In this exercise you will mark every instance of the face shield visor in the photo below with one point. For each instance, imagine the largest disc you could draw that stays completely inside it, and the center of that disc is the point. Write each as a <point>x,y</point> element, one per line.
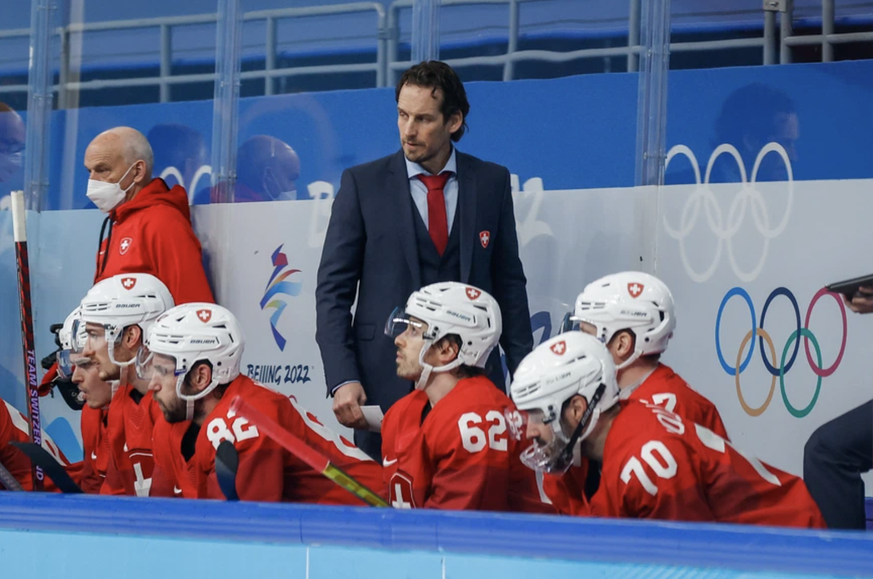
<point>399,322</point>
<point>552,450</point>
<point>572,323</point>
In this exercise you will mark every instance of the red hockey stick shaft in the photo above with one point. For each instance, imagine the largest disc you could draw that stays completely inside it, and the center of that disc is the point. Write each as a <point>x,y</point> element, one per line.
<point>19,233</point>
<point>304,452</point>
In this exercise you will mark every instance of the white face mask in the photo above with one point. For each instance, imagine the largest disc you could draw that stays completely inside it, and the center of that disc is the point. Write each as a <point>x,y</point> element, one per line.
<point>107,196</point>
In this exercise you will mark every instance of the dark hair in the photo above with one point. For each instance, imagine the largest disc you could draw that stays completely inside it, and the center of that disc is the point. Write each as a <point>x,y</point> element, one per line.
<point>438,75</point>
<point>218,391</point>
<point>464,371</point>
<point>653,358</point>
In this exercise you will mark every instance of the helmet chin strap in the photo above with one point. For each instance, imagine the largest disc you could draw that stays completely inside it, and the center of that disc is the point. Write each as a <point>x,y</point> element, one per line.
<point>581,432</point>
<point>629,361</point>
<point>189,398</point>
<point>427,369</point>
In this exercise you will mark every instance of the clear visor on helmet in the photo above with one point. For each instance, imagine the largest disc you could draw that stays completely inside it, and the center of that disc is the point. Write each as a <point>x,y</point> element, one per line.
<point>548,450</point>
<point>150,364</point>
<point>399,321</point>
<point>68,361</point>
<point>573,323</point>
<point>87,338</point>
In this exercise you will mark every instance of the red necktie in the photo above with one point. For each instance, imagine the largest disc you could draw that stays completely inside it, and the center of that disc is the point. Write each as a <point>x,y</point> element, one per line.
<point>437,222</point>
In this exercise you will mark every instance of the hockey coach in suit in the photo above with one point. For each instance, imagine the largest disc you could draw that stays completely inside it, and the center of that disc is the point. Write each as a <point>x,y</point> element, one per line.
<point>426,214</point>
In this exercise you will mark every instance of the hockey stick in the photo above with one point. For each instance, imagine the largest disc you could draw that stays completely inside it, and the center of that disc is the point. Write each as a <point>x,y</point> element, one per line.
<point>47,463</point>
<point>7,480</point>
<point>19,234</point>
<point>305,452</point>
<point>226,463</point>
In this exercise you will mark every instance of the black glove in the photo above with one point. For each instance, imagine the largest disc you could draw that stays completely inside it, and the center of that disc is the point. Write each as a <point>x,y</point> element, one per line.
<point>70,392</point>
<point>49,360</point>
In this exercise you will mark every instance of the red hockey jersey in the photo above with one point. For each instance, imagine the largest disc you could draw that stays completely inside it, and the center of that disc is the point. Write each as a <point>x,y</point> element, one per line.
<point>14,428</point>
<point>663,387</point>
<point>94,423</point>
<point>266,471</point>
<point>666,388</point>
<point>459,456</point>
<point>129,438</point>
<point>658,465</point>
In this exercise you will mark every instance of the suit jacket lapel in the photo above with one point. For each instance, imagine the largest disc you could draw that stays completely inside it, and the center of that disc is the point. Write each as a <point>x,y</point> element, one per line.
<point>398,186</point>
<point>467,207</point>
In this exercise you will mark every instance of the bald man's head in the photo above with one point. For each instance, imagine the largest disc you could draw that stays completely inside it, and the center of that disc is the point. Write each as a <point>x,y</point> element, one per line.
<point>121,155</point>
<point>130,144</point>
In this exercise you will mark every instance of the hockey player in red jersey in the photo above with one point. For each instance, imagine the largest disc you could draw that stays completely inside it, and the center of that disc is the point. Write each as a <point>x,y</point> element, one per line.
<point>193,358</point>
<point>445,445</point>
<point>655,464</point>
<point>117,312</point>
<point>633,314</point>
<point>96,394</point>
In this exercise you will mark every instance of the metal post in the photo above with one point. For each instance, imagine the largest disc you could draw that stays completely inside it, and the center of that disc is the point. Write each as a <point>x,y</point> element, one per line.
<point>770,9</point>
<point>39,104</point>
<point>393,41</point>
<point>827,28</point>
<point>425,30</point>
<point>787,30</point>
<point>509,66</point>
<point>633,36</point>
<point>225,106</point>
<point>652,99</point>
<point>166,61</point>
<point>64,69</point>
<point>270,63</point>
<point>382,51</point>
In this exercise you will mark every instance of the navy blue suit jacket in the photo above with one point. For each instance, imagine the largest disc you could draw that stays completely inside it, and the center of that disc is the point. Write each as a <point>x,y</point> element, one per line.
<point>370,252</point>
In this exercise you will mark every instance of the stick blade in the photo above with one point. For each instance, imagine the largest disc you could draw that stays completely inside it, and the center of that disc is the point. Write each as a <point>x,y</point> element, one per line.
<point>226,464</point>
<point>51,467</point>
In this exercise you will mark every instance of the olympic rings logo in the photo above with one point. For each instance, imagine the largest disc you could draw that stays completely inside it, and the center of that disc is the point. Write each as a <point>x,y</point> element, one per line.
<point>749,196</point>
<point>786,362</point>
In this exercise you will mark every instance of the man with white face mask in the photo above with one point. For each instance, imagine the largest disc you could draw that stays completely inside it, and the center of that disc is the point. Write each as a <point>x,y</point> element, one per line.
<point>446,445</point>
<point>148,225</point>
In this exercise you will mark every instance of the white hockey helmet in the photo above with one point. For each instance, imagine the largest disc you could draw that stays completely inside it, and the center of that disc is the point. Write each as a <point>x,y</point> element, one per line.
<point>70,347</point>
<point>631,300</point>
<point>124,300</point>
<point>569,364</point>
<point>451,308</point>
<point>196,332</point>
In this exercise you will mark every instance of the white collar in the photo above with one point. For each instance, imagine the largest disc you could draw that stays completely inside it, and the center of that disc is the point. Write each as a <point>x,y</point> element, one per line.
<point>414,169</point>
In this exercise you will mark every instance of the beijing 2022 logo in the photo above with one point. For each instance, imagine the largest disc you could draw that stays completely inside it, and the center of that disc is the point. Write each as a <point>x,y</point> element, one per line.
<point>279,286</point>
<point>788,356</point>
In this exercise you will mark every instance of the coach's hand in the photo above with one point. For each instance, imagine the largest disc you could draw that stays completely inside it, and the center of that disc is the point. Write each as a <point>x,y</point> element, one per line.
<point>862,301</point>
<point>347,402</point>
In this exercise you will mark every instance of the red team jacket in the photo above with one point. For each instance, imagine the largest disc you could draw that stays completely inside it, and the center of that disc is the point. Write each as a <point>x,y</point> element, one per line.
<point>95,448</point>
<point>657,465</point>
<point>266,472</point>
<point>663,387</point>
<point>152,234</point>
<point>129,439</point>
<point>460,456</point>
